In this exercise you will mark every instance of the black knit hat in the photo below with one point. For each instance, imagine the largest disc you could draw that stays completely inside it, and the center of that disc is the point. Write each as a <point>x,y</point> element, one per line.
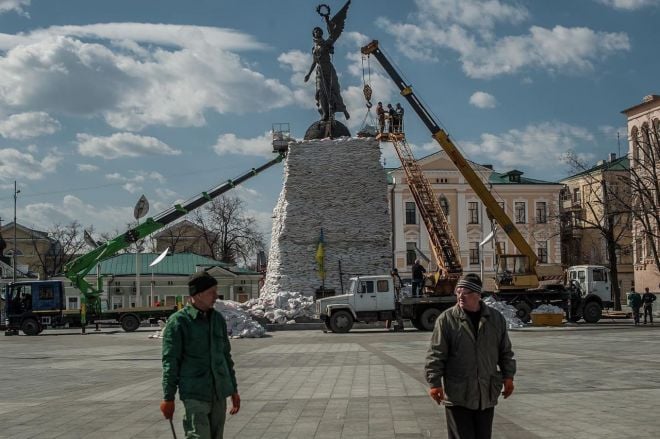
<point>470,281</point>
<point>200,282</point>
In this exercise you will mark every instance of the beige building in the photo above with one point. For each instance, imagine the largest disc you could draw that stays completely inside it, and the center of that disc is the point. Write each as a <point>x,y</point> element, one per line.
<point>587,199</point>
<point>644,152</point>
<point>33,249</point>
<point>184,237</point>
<point>532,205</point>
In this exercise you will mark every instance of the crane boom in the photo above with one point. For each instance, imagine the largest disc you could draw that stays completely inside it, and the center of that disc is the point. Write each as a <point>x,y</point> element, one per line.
<point>495,211</point>
<point>77,269</point>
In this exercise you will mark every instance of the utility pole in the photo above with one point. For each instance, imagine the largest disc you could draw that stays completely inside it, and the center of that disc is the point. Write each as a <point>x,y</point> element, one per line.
<point>13,253</point>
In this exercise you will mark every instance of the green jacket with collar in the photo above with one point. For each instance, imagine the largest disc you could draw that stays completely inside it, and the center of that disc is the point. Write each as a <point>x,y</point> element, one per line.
<point>197,356</point>
<point>470,369</point>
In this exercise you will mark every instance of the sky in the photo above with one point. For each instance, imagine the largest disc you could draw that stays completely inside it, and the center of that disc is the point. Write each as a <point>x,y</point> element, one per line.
<point>101,102</point>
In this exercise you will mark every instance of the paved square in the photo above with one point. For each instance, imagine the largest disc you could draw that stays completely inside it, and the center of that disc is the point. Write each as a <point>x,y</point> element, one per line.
<point>589,382</point>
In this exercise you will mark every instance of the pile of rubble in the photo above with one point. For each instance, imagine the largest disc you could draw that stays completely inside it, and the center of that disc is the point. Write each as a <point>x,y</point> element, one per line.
<point>283,307</point>
<point>239,323</point>
<point>547,309</point>
<point>508,311</point>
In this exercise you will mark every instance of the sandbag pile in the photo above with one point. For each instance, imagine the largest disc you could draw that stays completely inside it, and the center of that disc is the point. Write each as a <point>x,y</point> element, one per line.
<point>547,309</point>
<point>283,307</point>
<point>239,323</point>
<point>508,311</point>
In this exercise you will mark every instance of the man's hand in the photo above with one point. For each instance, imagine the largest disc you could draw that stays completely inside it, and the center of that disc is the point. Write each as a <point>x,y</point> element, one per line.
<point>235,403</point>
<point>508,387</point>
<point>437,394</point>
<point>167,407</point>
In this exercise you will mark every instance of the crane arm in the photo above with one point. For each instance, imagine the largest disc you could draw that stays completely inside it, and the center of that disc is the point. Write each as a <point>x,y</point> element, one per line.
<point>77,269</point>
<point>494,209</point>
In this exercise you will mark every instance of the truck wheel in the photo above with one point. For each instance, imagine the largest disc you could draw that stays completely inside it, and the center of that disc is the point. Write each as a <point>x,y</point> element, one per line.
<point>341,322</point>
<point>428,318</point>
<point>130,323</point>
<point>417,324</point>
<point>30,327</point>
<point>524,312</point>
<point>592,312</point>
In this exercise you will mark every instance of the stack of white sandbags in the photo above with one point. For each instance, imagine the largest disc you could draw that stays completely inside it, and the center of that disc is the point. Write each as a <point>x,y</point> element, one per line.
<point>239,323</point>
<point>547,309</point>
<point>282,307</point>
<point>508,311</point>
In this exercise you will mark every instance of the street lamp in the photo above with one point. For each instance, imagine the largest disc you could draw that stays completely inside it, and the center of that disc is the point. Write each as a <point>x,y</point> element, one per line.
<point>13,253</point>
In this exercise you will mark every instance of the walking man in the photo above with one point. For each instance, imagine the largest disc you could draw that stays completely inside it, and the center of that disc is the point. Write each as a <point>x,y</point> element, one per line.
<point>418,271</point>
<point>647,301</point>
<point>635,302</point>
<point>197,361</point>
<point>469,361</point>
<point>380,114</point>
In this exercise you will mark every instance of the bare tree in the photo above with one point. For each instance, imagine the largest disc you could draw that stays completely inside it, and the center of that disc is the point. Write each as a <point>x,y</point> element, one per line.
<point>66,242</point>
<point>604,209</point>
<point>230,234</point>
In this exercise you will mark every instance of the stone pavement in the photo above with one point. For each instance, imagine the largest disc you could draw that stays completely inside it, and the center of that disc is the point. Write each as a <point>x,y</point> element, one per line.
<point>591,381</point>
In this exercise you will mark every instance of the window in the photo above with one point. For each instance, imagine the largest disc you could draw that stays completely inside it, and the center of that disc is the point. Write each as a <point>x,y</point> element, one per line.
<point>474,253</point>
<point>72,303</point>
<point>542,251</point>
<point>410,213</point>
<point>473,212</point>
<point>46,293</point>
<point>170,282</point>
<point>411,255</point>
<point>600,275</point>
<point>367,286</point>
<point>541,212</point>
<point>576,196</point>
<point>521,218</point>
<point>444,204</point>
<point>382,286</point>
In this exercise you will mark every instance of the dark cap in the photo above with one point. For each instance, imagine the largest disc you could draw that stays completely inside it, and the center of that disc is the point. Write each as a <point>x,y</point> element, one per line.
<point>200,282</point>
<point>470,281</point>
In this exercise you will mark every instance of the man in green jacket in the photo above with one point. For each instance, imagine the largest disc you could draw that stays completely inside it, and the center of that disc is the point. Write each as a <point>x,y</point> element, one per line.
<point>468,362</point>
<point>197,361</point>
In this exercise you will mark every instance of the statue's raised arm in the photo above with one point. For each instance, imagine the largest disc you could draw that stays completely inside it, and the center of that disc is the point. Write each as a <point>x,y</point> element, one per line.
<point>336,24</point>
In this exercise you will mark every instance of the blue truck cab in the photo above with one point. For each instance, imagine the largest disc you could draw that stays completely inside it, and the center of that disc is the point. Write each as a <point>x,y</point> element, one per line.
<point>32,306</point>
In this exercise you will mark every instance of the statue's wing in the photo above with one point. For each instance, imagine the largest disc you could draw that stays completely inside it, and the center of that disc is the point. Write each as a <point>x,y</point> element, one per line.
<point>336,24</point>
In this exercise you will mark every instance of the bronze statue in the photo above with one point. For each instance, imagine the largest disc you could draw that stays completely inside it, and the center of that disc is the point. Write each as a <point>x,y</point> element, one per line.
<point>328,96</point>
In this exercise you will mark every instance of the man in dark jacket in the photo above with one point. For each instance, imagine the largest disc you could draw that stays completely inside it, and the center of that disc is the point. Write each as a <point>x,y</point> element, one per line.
<point>197,360</point>
<point>634,302</point>
<point>418,271</point>
<point>468,362</point>
<point>647,302</point>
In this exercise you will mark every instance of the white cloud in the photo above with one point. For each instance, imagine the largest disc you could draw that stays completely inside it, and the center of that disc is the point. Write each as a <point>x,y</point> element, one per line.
<point>14,5</point>
<point>482,99</point>
<point>629,5</point>
<point>261,146</point>
<point>530,148</point>
<point>449,24</point>
<point>133,183</point>
<point>28,125</point>
<point>15,164</point>
<point>122,145</point>
<point>184,72</point>
<point>85,167</point>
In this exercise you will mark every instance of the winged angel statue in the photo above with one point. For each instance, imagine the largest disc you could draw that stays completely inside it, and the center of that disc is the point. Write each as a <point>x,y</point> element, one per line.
<point>328,96</point>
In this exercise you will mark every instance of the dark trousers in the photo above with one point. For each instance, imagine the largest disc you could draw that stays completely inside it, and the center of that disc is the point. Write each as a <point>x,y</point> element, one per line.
<point>464,423</point>
<point>648,309</point>
<point>636,315</point>
<point>417,285</point>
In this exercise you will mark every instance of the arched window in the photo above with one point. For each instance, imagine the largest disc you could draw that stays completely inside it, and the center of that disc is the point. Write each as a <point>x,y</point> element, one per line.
<point>645,143</point>
<point>635,145</point>
<point>444,203</point>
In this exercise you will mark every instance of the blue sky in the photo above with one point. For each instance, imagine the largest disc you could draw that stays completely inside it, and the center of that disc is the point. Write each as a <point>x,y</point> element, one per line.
<point>101,102</point>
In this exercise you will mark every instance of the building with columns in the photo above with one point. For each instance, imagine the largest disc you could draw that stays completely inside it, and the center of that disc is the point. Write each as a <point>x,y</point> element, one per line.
<point>533,206</point>
<point>643,123</point>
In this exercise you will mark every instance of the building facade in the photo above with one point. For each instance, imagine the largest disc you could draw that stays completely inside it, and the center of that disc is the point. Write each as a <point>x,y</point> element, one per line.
<point>533,205</point>
<point>33,249</point>
<point>162,283</point>
<point>184,237</point>
<point>643,123</point>
<point>589,199</point>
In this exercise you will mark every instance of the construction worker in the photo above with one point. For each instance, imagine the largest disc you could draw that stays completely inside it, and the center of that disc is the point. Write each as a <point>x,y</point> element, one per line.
<point>391,112</point>
<point>398,126</point>
<point>380,114</point>
<point>634,302</point>
<point>418,271</point>
<point>197,360</point>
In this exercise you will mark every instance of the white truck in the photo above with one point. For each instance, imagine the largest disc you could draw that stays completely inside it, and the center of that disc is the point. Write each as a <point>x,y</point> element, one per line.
<point>375,299</point>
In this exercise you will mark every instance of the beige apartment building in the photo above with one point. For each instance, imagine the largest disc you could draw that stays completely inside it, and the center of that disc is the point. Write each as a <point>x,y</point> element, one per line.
<point>643,122</point>
<point>533,206</point>
<point>588,199</point>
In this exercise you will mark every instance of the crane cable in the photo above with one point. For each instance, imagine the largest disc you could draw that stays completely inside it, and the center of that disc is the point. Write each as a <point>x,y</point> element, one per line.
<point>368,92</point>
